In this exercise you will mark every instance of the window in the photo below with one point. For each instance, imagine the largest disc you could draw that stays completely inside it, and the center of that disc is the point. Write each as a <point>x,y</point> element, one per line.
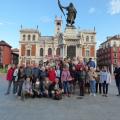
<point>24,37</point>
<point>34,37</point>
<point>87,53</point>
<point>92,38</point>
<point>115,55</point>
<point>87,39</point>
<point>29,37</point>
<point>58,51</point>
<point>50,51</point>
<point>28,52</point>
<point>41,51</point>
<point>114,43</point>
<point>115,61</point>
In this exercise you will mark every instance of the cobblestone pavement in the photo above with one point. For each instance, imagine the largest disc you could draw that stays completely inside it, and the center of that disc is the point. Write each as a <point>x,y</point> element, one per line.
<point>88,108</point>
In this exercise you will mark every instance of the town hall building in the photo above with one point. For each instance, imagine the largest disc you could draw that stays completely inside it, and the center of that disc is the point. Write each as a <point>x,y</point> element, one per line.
<point>73,42</point>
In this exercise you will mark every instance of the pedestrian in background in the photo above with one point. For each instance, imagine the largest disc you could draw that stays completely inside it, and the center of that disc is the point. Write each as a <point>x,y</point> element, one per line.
<point>117,77</point>
<point>9,78</point>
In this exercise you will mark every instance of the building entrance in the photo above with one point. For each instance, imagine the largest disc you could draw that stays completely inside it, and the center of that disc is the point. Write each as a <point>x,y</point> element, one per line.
<point>71,51</point>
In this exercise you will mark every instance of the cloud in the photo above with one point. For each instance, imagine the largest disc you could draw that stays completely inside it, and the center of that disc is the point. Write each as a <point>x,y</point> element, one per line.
<point>114,7</point>
<point>91,10</point>
<point>7,23</point>
<point>45,19</point>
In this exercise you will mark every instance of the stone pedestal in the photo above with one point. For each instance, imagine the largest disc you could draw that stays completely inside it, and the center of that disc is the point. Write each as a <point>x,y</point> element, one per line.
<point>70,39</point>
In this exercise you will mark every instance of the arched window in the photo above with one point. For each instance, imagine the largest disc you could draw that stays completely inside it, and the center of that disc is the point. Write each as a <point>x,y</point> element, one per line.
<point>29,37</point>
<point>24,37</point>
<point>87,39</point>
<point>50,51</point>
<point>41,51</point>
<point>33,37</point>
<point>58,51</point>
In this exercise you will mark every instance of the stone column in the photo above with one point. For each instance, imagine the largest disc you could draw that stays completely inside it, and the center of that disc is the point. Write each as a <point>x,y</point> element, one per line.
<point>65,50</point>
<point>80,51</point>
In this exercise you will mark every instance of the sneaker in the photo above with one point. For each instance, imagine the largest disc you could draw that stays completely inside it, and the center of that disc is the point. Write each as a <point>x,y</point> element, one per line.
<point>19,97</point>
<point>103,95</point>
<point>94,94</point>
<point>118,95</point>
<point>91,94</point>
<point>106,95</point>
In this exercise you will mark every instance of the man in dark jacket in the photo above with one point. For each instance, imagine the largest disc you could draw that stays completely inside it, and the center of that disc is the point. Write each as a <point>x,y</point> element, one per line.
<point>117,78</point>
<point>28,71</point>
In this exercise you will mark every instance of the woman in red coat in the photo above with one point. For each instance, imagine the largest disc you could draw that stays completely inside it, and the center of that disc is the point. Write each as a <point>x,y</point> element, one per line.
<point>52,79</point>
<point>9,78</point>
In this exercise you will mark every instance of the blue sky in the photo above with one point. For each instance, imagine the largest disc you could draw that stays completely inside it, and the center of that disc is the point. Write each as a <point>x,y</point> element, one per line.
<point>103,14</point>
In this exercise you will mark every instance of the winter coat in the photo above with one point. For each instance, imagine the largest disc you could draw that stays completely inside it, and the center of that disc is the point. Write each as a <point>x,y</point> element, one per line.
<point>36,72</point>
<point>91,64</point>
<point>92,75</point>
<point>28,72</point>
<point>105,76</point>
<point>81,75</point>
<point>52,75</point>
<point>10,74</point>
<point>65,75</point>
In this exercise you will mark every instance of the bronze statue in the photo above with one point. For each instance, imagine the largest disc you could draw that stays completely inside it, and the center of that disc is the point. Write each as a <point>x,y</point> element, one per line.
<point>71,15</point>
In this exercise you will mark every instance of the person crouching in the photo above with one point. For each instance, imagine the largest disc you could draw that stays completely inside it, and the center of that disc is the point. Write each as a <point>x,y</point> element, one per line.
<point>26,88</point>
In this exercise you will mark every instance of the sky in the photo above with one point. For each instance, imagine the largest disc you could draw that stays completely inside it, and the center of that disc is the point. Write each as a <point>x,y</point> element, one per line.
<point>104,15</point>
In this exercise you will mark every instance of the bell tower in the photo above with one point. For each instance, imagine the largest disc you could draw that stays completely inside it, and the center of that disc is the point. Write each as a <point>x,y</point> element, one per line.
<point>58,25</point>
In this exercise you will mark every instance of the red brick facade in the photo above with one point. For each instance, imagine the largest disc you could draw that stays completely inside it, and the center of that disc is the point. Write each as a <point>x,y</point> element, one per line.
<point>33,50</point>
<point>5,50</point>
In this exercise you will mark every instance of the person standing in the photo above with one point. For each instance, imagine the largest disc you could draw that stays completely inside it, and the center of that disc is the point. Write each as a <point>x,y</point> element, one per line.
<point>21,79</point>
<point>65,77</point>
<point>92,76</point>
<point>81,80</point>
<point>98,82</point>
<point>15,80</point>
<point>9,78</point>
<point>52,79</point>
<point>117,77</point>
<point>106,80</point>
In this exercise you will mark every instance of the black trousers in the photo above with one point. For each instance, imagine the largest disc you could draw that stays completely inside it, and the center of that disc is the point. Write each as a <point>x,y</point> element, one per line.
<point>81,86</point>
<point>15,85</point>
<point>50,89</point>
<point>99,85</point>
<point>118,85</point>
<point>105,88</point>
<point>20,84</point>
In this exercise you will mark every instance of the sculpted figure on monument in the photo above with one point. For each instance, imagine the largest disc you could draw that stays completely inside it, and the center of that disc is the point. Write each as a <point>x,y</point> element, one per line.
<point>71,13</point>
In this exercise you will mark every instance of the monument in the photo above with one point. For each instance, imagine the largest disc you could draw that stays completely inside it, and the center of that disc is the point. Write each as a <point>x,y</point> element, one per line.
<point>70,36</point>
<point>71,13</point>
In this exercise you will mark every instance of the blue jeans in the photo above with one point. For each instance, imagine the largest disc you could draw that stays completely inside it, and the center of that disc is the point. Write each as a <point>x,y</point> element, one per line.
<point>66,87</point>
<point>93,86</point>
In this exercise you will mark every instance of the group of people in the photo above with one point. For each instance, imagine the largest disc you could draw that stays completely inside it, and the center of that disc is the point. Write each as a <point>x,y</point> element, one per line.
<point>57,78</point>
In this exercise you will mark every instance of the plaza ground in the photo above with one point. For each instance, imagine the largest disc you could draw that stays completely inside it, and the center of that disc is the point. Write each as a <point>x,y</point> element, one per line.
<point>88,108</point>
